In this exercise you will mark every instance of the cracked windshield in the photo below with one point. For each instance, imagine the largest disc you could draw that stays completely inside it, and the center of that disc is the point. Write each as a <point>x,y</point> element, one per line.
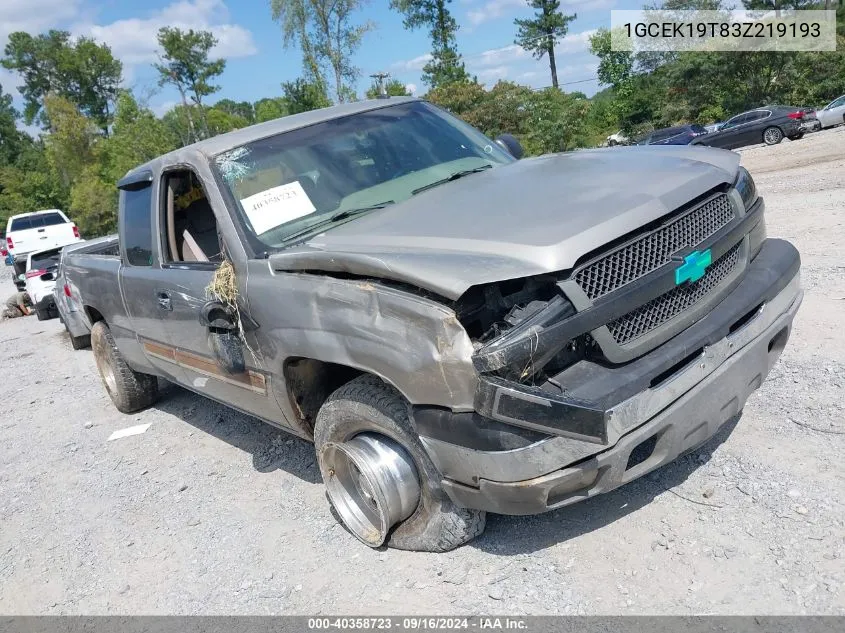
<point>307,180</point>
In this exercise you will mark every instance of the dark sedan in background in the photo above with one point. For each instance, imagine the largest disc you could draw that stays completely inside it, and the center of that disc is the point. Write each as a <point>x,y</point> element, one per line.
<point>764,125</point>
<point>679,135</point>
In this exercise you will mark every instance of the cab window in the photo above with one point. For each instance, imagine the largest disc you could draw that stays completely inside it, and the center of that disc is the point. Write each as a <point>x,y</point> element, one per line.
<point>190,227</point>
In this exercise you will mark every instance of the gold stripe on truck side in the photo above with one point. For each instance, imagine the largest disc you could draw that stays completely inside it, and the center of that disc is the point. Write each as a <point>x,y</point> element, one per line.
<point>252,380</point>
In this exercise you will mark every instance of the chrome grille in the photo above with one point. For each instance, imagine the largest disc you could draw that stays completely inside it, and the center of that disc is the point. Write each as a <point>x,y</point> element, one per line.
<point>655,249</point>
<point>668,305</point>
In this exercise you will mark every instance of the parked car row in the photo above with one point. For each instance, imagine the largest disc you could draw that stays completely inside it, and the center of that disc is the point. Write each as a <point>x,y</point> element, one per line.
<point>769,125</point>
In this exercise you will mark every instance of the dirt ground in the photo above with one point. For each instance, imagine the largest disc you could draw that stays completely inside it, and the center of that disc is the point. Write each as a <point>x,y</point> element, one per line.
<point>211,512</point>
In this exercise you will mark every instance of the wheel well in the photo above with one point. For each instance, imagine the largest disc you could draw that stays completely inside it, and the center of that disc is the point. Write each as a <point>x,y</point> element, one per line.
<point>93,315</point>
<point>310,382</point>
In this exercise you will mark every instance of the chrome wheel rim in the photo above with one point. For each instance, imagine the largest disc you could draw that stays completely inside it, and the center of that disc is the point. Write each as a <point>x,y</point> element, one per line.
<point>372,483</point>
<point>106,372</point>
<point>772,136</point>
<point>108,378</point>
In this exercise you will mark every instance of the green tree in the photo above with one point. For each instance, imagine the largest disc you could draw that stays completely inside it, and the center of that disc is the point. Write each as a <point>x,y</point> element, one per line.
<point>179,121</point>
<point>30,184</point>
<point>556,121</point>
<point>81,70</point>
<point>294,16</point>
<point>504,109</point>
<point>220,121</point>
<point>327,35</point>
<point>446,65</point>
<point>186,65</point>
<point>10,138</point>
<point>71,145</point>
<point>616,70</point>
<point>461,98</point>
<point>93,204</point>
<point>243,109</point>
<point>302,96</point>
<point>270,108</point>
<point>540,33</point>
<point>393,88</point>
<point>137,137</point>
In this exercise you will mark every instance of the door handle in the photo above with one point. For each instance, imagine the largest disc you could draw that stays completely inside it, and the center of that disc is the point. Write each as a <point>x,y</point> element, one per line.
<point>164,300</point>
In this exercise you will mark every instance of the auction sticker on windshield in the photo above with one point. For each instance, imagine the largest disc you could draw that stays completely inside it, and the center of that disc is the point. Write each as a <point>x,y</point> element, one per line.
<point>273,207</point>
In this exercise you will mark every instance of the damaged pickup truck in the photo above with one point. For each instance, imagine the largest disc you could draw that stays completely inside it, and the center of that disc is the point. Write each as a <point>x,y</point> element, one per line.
<point>457,330</point>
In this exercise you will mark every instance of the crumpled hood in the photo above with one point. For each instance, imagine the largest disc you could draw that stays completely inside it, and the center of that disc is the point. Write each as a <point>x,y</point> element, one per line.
<point>534,216</point>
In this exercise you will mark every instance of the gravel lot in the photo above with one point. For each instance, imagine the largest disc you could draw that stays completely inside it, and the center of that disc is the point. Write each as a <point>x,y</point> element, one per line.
<point>211,512</point>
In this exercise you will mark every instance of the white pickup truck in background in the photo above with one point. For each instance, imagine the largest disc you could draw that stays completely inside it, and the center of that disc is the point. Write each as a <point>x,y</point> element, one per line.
<point>37,231</point>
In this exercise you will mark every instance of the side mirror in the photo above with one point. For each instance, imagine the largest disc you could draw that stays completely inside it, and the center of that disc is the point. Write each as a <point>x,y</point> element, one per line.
<point>22,278</point>
<point>223,338</point>
<point>510,144</point>
<point>216,315</point>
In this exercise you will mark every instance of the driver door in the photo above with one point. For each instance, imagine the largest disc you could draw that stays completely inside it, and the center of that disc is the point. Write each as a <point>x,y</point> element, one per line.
<point>191,253</point>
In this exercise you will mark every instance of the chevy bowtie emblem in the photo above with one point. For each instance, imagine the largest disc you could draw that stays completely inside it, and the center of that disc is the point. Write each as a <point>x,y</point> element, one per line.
<point>694,266</point>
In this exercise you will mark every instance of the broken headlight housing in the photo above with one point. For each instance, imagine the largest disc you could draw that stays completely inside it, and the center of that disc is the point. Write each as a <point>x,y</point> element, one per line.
<point>508,322</point>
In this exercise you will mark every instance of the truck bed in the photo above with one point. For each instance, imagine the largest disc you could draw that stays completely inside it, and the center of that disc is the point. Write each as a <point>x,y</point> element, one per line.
<point>94,278</point>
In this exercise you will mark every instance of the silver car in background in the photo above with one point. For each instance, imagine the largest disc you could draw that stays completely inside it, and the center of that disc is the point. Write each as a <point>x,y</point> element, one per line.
<point>833,113</point>
<point>67,296</point>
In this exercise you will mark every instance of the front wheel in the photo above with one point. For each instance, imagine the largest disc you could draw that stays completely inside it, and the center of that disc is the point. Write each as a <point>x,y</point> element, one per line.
<point>772,135</point>
<point>379,478</point>
<point>128,389</point>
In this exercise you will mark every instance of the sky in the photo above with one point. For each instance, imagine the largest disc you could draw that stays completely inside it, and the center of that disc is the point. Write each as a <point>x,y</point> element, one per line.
<point>257,62</point>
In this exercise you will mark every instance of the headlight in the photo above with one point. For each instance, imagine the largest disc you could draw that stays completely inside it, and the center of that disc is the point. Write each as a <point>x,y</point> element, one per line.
<point>745,186</point>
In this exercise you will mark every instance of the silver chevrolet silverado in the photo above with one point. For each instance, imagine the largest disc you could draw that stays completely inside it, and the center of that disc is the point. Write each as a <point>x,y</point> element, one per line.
<point>457,330</point>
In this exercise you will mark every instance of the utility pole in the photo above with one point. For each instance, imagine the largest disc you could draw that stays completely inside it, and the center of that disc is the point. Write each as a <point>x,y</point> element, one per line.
<point>380,78</point>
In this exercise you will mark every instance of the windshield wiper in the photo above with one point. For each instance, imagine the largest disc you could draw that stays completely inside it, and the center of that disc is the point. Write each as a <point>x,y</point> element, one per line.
<point>337,217</point>
<point>450,178</point>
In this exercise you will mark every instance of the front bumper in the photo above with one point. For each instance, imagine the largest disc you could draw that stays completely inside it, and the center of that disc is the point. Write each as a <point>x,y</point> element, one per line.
<point>664,418</point>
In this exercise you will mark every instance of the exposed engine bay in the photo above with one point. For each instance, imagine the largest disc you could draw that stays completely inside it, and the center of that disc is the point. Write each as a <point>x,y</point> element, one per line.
<point>520,308</point>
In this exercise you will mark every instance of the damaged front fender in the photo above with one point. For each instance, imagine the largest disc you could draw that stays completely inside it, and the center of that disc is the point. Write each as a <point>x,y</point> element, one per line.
<point>411,341</point>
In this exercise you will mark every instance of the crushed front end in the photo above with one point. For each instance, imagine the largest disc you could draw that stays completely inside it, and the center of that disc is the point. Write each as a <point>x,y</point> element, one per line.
<point>641,352</point>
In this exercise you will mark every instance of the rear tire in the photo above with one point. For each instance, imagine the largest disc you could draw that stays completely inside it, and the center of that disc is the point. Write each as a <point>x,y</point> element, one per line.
<point>797,137</point>
<point>128,389</point>
<point>368,405</point>
<point>772,135</point>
